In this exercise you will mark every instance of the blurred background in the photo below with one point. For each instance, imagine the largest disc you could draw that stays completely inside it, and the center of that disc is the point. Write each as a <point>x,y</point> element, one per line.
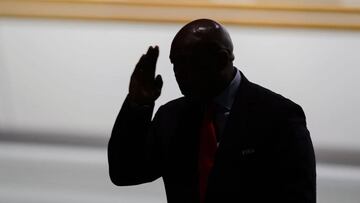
<point>65,68</point>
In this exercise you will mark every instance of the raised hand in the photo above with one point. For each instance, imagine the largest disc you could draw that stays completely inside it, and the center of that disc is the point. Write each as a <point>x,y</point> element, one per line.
<point>144,87</point>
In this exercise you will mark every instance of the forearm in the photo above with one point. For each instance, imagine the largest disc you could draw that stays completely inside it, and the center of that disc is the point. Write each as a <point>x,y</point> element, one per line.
<point>132,122</point>
<point>301,166</point>
<point>127,145</point>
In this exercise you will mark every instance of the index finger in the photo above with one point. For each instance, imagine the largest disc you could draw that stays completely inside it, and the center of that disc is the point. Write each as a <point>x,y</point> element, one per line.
<point>149,61</point>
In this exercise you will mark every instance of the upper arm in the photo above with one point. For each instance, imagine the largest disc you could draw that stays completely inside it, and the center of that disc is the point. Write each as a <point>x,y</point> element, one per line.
<point>299,157</point>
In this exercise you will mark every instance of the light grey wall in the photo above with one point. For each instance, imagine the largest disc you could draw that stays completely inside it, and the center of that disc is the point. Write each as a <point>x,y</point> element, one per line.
<point>64,81</point>
<point>71,76</point>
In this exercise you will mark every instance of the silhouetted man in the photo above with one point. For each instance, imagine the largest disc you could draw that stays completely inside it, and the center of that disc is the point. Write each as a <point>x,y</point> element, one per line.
<point>226,140</point>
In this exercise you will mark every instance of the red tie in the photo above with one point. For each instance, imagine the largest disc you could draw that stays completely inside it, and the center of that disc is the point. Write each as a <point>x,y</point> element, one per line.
<point>207,149</point>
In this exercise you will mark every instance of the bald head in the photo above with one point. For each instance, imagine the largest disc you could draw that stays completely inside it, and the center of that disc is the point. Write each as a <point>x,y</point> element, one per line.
<point>202,35</point>
<point>202,55</point>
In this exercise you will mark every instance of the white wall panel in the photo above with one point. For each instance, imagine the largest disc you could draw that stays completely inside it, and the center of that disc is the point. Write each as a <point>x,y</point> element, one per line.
<point>71,76</point>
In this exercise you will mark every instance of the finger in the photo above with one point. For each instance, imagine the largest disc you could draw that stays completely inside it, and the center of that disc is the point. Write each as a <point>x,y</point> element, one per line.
<point>150,61</point>
<point>139,64</point>
<point>158,86</point>
<point>158,82</point>
<point>149,50</point>
<point>154,55</point>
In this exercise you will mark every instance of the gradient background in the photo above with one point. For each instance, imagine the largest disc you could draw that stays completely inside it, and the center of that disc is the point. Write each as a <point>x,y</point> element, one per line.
<point>62,83</point>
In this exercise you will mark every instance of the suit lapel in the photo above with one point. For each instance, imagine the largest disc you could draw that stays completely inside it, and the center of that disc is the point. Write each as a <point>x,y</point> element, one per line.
<point>239,115</point>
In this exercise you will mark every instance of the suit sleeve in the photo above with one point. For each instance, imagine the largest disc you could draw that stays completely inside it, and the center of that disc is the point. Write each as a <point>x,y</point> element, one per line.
<point>299,167</point>
<point>133,151</point>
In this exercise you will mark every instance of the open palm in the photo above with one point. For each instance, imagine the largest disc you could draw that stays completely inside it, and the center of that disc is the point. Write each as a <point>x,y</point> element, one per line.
<point>144,87</point>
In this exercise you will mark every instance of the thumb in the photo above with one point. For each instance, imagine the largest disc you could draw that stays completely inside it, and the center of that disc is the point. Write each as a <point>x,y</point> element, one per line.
<point>158,82</point>
<point>158,85</point>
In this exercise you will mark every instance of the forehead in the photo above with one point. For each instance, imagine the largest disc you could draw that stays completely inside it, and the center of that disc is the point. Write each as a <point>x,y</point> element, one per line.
<point>190,56</point>
<point>191,48</point>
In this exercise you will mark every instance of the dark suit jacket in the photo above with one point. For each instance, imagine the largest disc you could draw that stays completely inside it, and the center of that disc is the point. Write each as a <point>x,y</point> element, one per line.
<point>265,155</point>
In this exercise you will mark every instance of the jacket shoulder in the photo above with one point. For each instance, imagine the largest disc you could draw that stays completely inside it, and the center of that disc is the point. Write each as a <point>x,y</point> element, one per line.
<point>172,107</point>
<point>275,103</point>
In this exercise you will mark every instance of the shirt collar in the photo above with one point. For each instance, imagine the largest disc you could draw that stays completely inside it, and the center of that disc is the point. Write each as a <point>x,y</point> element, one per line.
<point>226,98</point>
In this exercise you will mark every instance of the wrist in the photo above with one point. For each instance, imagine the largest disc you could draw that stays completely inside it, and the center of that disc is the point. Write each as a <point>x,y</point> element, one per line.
<point>134,102</point>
